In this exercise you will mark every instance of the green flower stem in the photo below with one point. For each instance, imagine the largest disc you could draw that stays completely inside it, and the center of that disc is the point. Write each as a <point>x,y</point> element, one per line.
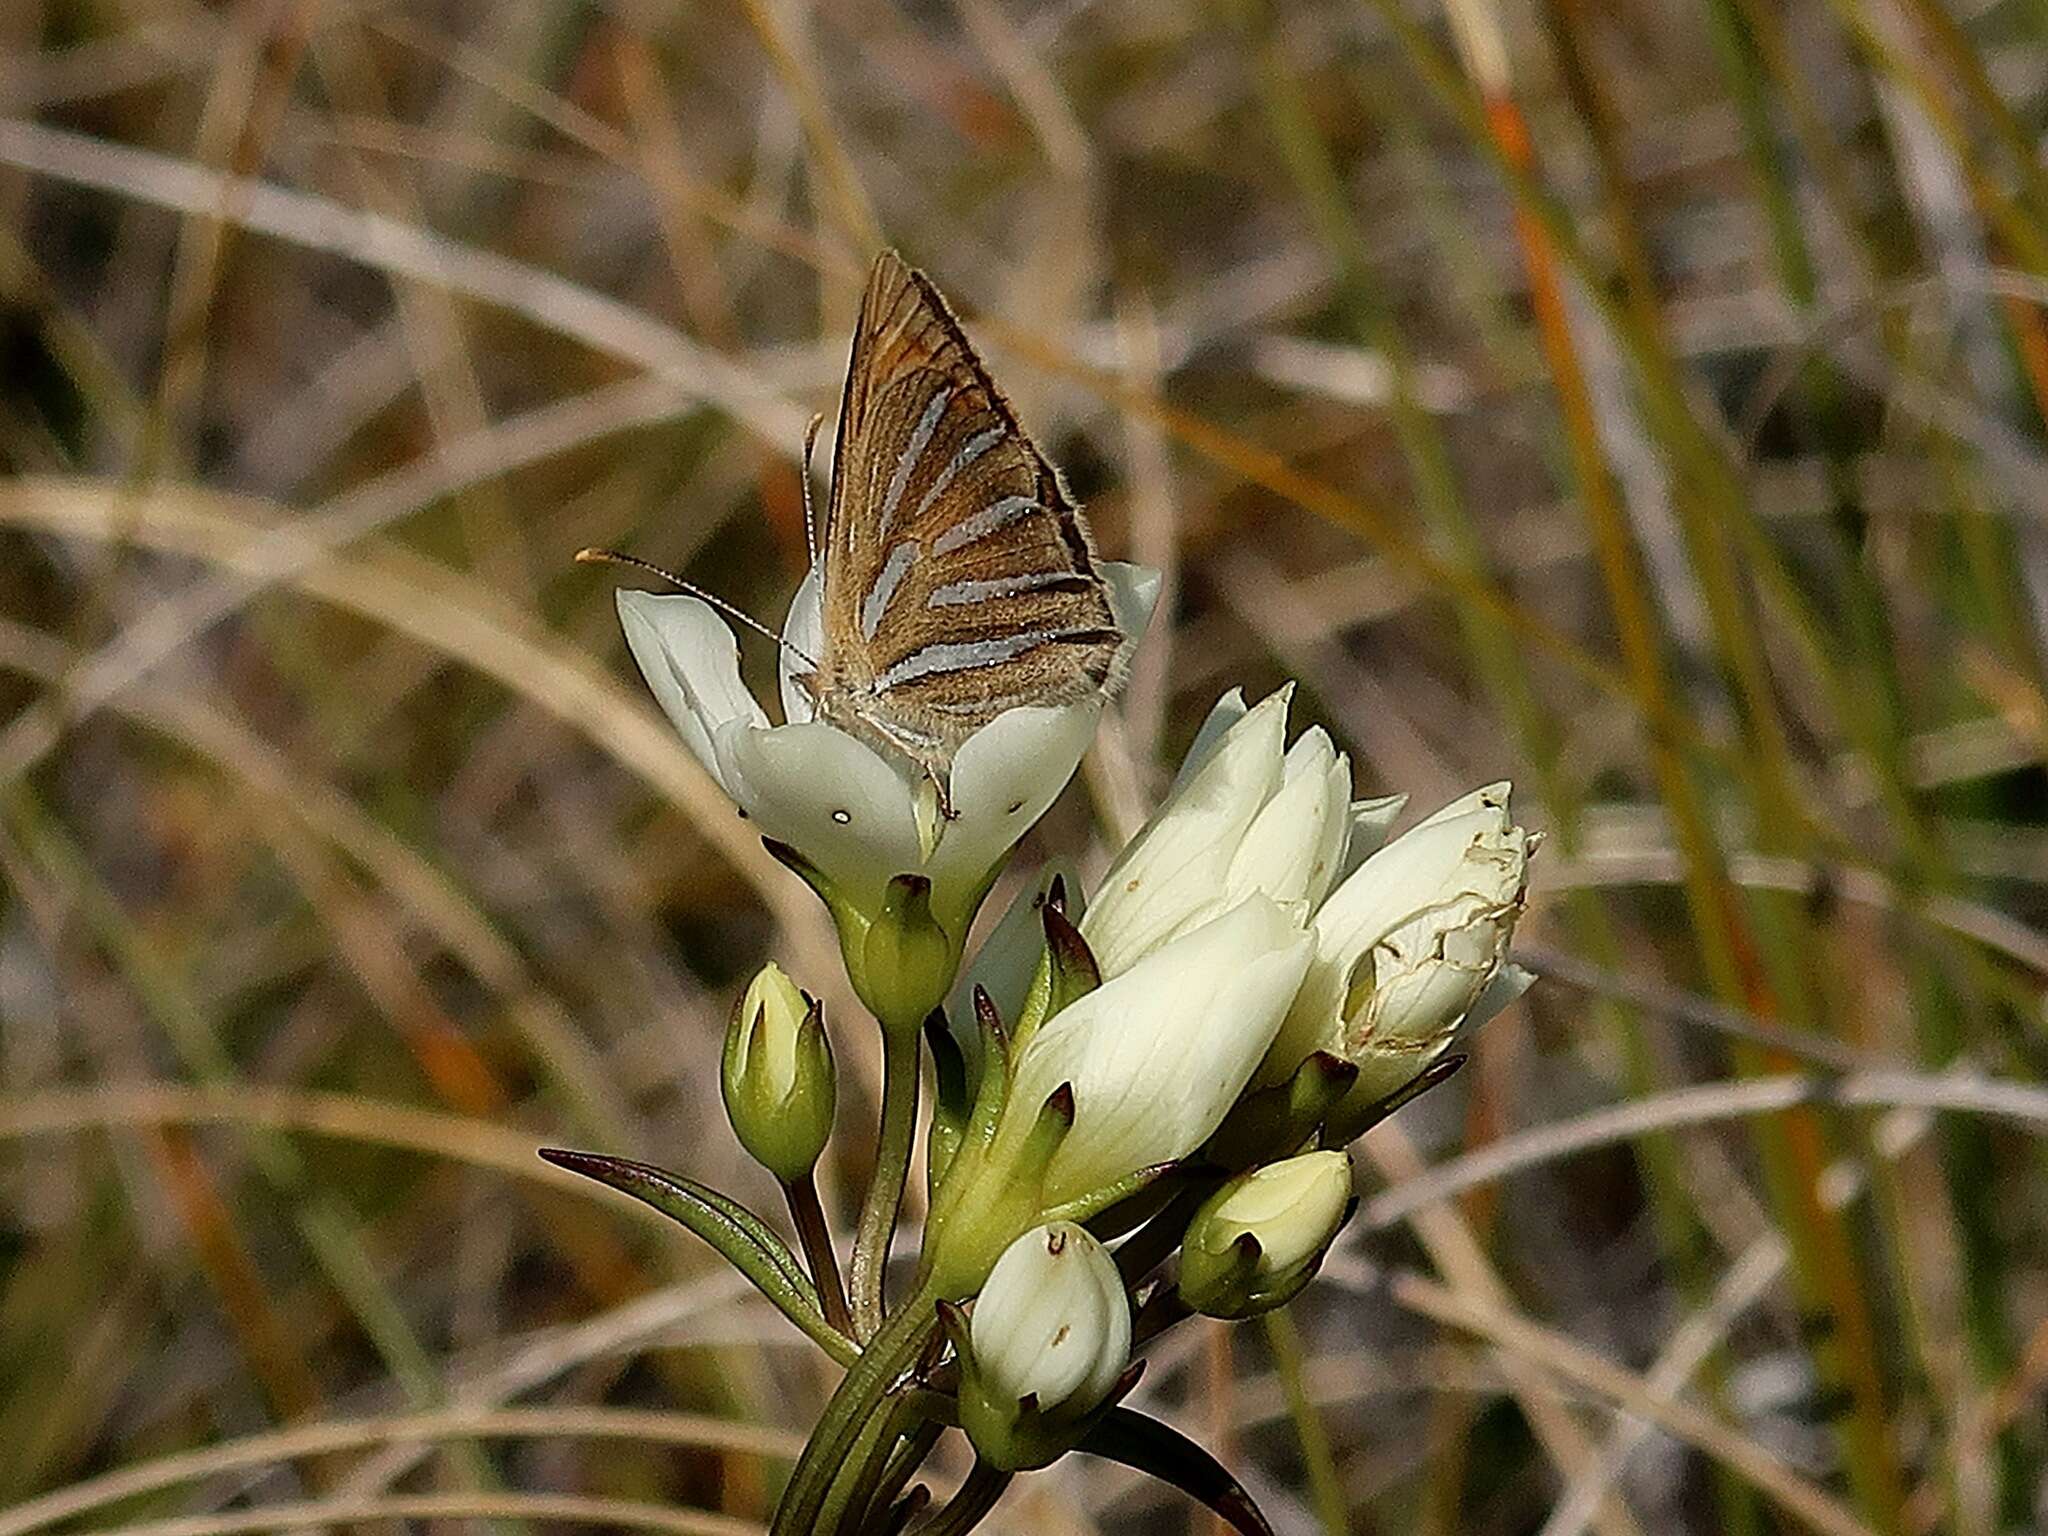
<point>1325,1484</point>
<point>972,1504</point>
<point>808,1215</point>
<point>856,1493</point>
<point>909,1455</point>
<point>861,1396</point>
<point>900,1052</point>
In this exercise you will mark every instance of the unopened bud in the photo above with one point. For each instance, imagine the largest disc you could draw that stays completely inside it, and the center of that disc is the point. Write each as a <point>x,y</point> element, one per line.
<point>1048,1343</point>
<point>777,1075</point>
<point>1257,1241</point>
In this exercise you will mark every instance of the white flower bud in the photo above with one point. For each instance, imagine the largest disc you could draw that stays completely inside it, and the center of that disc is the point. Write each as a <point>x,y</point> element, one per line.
<point>1256,1240</point>
<point>1247,815</point>
<point>1411,946</point>
<point>1157,1056</point>
<point>1052,1324</point>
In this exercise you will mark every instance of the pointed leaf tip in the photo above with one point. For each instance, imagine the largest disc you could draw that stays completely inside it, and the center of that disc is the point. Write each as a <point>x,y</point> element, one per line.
<point>1144,1444</point>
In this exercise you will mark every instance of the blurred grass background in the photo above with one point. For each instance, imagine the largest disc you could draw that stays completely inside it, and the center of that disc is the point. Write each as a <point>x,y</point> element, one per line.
<point>1642,400</point>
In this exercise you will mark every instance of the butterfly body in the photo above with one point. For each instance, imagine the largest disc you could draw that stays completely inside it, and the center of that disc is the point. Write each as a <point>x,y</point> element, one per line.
<point>959,581</point>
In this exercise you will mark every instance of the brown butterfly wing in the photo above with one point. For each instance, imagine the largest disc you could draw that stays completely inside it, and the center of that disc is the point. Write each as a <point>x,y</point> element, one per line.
<point>959,581</point>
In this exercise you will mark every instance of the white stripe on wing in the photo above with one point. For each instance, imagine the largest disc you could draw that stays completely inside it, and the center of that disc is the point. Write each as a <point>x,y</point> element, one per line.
<point>906,466</point>
<point>968,452</point>
<point>997,515</point>
<point>966,655</point>
<point>887,580</point>
<point>955,593</point>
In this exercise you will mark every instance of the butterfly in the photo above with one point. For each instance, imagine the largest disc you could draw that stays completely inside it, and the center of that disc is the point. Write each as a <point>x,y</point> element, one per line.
<point>958,578</point>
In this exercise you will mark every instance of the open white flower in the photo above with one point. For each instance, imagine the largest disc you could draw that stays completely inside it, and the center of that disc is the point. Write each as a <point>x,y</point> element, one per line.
<point>851,812</point>
<point>1157,1055</point>
<point>1247,814</point>
<point>1412,947</point>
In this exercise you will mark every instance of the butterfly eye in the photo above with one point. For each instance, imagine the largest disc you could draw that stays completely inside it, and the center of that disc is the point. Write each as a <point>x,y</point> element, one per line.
<point>842,817</point>
<point>1016,806</point>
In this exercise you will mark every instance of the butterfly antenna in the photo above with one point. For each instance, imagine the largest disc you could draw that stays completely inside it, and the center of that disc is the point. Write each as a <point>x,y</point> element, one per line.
<point>731,610</point>
<point>810,515</point>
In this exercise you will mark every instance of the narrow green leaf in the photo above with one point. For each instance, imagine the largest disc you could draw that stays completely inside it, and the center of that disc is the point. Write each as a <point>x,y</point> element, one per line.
<point>742,1239</point>
<point>1159,1450</point>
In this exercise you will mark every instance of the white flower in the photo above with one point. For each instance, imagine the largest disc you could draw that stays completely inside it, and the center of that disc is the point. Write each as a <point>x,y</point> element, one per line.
<point>1412,945</point>
<point>1052,1322</point>
<point>1157,1055</point>
<point>848,810</point>
<point>1247,814</point>
<point>1257,1239</point>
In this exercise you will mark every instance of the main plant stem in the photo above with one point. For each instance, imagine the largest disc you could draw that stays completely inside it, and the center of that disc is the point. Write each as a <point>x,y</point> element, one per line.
<point>900,1052</point>
<point>863,1394</point>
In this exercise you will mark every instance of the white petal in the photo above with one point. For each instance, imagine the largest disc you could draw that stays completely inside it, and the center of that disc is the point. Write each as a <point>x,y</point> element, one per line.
<point>1428,863</point>
<point>1157,1055</point>
<point>691,661</point>
<point>1491,797</point>
<point>1292,1207</point>
<point>1223,714</point>
<point>1285,851</point>
<point>1133,592</point>
<point>1371,821</point>
<point>1417,1006</point>
<point>804,630</point>
<point>1052,1320</point>
<point>1004,776</point>
<point>1333,857</point>
<point>1172,874</point>
<point>828,796</point>
<point>1467,848</point>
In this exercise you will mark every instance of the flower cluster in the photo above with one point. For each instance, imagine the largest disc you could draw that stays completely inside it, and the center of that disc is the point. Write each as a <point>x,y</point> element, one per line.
<point>1142,1099</point>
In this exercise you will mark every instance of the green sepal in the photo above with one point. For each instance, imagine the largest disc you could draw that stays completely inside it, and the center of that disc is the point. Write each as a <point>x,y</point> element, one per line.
<point>907,961</point>
<point>1233,1289</point>
<point>1015,1436</point>
<point>899,957</point>
<point>993,1091</point>
<point>1067,969</point>
<point>1275,1121</point>
<point>1158,1187</point>
<point>741,1238</point>
<point>992,1196</point>
<point>951,1101</point>
<point>784,1132</point>
<point>1071,962</point>
<point>846,917</point>
<point>1346,1124</point>
<point>1131,1439</point>
<point>1087,1207</point>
